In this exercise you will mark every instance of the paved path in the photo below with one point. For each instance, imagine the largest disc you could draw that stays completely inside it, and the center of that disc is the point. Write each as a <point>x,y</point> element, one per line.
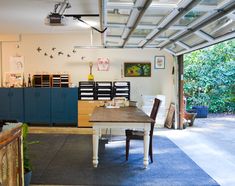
<point>211,144</point>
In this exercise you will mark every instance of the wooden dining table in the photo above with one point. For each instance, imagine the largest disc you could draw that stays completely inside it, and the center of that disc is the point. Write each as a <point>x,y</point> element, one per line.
<point>122,118</point>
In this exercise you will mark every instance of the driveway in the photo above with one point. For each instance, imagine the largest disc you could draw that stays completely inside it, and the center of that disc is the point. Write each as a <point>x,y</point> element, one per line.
<point>211,144</point>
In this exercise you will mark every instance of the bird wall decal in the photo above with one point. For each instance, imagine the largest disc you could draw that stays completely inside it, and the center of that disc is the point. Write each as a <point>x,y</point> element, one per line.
<point>39,49</point>
<point>46,53</point>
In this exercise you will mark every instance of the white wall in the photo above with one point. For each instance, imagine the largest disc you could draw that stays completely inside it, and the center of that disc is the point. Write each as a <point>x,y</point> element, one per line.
<point>35,62</point>
<point>0,62</point>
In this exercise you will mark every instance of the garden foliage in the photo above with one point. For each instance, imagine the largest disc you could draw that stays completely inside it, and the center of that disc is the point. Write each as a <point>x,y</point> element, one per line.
<point>209,76</point>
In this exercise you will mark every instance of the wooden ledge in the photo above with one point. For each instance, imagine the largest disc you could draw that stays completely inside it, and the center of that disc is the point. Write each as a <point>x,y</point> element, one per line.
<point>59,130</point>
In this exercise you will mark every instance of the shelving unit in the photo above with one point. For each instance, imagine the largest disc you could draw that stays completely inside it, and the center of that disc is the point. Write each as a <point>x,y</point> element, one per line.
<point>103,90</point>
<point>121,89</point>
<point>41,80</point>
<point>60,80</point>
<point>86,90</point>
<point>54,80</point>
<point>64,79</point>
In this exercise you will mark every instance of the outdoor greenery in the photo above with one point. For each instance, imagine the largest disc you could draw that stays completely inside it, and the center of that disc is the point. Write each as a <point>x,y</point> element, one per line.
<point>209,76</point>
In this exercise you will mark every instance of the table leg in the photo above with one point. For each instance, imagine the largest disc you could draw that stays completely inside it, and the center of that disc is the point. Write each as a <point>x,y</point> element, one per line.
<point>95,146</point>
<point>146,147</point>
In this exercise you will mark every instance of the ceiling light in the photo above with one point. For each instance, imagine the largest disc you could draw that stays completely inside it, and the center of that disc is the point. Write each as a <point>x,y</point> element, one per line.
<point>83,25</point>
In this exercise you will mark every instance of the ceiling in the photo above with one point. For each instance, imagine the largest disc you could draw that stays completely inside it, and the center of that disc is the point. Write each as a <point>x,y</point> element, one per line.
<point>178,26</point>
<point>28,16</point>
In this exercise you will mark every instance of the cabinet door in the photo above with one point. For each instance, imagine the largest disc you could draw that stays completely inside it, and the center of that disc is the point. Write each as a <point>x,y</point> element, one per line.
<point>37,105</point>
<point>16,110</point>
<point>4,103</point>
<point>64,105</point>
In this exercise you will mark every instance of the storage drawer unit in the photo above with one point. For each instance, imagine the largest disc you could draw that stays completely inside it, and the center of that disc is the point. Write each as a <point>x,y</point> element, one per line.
<point>121,89</point>
<point>86,90</point>
<point>85,109</point>
<point>104,90</point>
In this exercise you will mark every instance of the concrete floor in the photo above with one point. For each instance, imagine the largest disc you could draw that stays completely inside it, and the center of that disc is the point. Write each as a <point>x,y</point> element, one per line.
<point>211,144</point>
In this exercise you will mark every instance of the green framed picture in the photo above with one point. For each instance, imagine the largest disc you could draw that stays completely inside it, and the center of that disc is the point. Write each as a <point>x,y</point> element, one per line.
<point>137,69</point>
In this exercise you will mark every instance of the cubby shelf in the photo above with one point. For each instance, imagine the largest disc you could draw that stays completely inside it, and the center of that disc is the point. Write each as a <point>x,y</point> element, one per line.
<point>121,89</point>
<point>103,90</point>
<point>53,80</point>
<point>86,90</point>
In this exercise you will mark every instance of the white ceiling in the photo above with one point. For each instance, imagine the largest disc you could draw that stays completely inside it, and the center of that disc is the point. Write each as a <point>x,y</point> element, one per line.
<point>178,26</point>
<point>27,16</point>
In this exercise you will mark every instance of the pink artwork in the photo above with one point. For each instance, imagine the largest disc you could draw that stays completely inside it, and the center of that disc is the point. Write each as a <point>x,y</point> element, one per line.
<point>103,64</point>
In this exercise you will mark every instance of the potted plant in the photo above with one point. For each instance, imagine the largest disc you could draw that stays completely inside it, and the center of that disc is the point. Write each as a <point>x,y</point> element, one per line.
<point>27,163</point>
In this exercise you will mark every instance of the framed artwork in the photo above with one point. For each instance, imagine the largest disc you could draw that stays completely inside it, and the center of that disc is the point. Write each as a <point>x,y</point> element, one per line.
<point>103,64</point>
<point>17,64</point>
<point>13,79</point>
<point>137,69</point>
<point>159,62</point>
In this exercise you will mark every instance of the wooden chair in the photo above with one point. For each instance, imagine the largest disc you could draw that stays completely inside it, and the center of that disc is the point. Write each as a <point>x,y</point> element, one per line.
<point>139,135</point>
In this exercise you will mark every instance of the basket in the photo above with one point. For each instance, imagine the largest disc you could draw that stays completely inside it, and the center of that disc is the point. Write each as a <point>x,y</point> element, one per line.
<point>201,111</point>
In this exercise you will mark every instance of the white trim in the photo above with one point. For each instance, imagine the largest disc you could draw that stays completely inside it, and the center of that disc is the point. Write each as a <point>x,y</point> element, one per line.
<point>88,47</point>
<point>182,45</point>
<point>204,35</point>
<point>171,52</point>
<point>205,8</point>
<point>120,5</point>
<point>231,16</point>
<point>153,6</point>
<point>176,92</point>
<point>104,16</point>
<point>1,65</point>
<point>220,39</point>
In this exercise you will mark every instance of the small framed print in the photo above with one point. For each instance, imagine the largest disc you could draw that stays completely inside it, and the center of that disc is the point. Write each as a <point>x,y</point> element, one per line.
<point>159,62</point>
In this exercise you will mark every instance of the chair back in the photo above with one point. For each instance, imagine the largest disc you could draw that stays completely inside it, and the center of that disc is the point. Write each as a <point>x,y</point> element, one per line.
<point>154,112</point>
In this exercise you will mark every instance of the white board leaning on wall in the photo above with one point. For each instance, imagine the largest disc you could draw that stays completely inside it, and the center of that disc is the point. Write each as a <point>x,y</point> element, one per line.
<point>147,104</point>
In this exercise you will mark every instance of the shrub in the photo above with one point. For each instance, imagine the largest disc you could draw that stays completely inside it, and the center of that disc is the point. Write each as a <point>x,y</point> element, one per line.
<point>209,77</point>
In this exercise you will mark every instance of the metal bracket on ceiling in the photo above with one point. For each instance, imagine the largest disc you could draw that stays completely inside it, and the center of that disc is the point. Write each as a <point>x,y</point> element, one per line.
<point>78,17</point>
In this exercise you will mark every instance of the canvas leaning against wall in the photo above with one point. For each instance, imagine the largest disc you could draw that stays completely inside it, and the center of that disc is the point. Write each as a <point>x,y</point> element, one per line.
<point>137,69</point>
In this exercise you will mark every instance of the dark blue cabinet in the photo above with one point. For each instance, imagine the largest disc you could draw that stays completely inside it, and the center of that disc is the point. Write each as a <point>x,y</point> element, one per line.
<point>4,103</point>
<point>37,105</point>
<point>64,105</point>
<point>11,104</point>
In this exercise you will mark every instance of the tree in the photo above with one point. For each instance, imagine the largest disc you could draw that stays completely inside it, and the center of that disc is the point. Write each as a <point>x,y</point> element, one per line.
<point>210,77</point>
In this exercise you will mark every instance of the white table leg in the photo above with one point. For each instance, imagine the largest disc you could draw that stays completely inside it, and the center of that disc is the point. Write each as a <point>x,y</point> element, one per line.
<point>95,146</point>
<point>146,147</point>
